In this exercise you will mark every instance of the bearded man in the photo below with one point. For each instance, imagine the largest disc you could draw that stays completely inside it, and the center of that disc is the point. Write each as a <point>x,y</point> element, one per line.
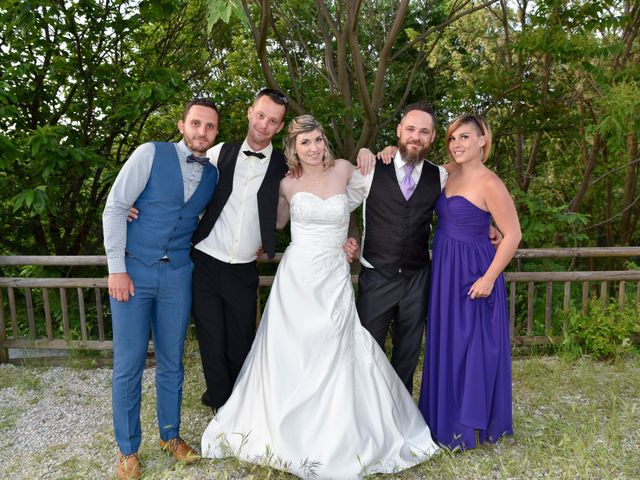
<point>398,203</point>
<point>150,276</point>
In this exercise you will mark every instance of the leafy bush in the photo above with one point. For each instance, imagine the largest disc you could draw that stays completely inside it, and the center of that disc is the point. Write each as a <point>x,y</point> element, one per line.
<point>607,331</point>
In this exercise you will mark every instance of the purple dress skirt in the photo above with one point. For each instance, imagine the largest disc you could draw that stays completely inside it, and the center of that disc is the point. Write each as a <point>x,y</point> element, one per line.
<point>466,381</point>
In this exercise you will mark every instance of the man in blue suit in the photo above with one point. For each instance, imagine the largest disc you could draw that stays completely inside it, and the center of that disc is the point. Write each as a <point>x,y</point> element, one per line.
<point>150,275</point>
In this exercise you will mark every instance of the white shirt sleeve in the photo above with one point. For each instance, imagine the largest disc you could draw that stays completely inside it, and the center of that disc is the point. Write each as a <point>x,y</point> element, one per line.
<point>443,176</point>
<point>358,188</point>
<point>213,153</point>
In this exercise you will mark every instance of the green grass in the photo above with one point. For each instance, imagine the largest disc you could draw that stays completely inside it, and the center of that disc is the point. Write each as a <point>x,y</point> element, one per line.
<point>22,380</point>
<point>573,419</point>
<point>8,418</point>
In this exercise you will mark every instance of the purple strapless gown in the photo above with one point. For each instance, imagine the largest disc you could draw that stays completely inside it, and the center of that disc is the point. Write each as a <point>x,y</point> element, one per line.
<point>466,381</point>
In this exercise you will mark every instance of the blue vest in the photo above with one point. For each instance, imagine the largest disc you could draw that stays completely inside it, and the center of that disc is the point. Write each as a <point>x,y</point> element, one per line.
<point>165,223</point>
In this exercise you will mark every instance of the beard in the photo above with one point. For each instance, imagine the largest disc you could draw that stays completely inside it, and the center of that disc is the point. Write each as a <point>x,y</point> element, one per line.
<point>196,147</point>
<point>413,157</point>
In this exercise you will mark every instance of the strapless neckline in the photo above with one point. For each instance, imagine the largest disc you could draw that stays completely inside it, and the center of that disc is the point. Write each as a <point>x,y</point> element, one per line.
<point>466,200</point>
<point>318,196</point>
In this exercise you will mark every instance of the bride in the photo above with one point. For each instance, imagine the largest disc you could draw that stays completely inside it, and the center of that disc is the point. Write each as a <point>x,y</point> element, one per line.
<point>316,396</point>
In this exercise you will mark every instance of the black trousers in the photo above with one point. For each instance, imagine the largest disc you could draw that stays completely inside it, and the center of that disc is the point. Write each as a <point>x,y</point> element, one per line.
<point>399,302</point>
<point>224,311</point>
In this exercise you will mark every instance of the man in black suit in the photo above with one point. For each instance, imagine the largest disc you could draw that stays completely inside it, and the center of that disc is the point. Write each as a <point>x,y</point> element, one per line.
<point>399,200</point>
<point>238,221</point>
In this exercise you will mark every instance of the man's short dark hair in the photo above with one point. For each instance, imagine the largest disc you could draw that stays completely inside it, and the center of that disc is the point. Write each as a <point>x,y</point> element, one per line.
<point>276,95</point>
<point>424,107</point>
<point>202,102</point>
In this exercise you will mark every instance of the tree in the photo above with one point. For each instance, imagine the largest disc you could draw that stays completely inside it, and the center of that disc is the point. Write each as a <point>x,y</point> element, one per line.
<point>84,82</point>
<point>558,81</point>
<point>340,59</point>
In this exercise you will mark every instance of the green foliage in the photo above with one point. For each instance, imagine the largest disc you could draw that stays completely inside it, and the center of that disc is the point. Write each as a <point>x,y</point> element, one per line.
<point>631,265</point>
<point>80,83</point>
<point>84,82</point>
<point>223,10</point>
<point>605,332</point>
<point>621,104</point>
<point>541,220</point>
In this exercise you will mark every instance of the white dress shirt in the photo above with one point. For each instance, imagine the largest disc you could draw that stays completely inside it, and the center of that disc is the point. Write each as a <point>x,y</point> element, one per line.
<point>359,186</point>
<point>235,237</point>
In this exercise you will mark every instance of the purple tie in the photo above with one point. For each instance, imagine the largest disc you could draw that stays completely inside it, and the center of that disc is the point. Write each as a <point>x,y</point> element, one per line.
<point>407,185</point>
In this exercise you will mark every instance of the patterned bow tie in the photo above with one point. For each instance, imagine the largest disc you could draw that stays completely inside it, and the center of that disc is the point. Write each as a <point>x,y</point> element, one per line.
<point>201,160</point>
<point>250,153</point>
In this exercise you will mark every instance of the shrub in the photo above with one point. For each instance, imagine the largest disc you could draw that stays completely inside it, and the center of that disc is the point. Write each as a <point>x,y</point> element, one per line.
<point>607,331</point>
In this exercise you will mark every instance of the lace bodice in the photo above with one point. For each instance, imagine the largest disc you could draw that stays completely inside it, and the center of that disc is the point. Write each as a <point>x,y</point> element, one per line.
<point>319,222</point>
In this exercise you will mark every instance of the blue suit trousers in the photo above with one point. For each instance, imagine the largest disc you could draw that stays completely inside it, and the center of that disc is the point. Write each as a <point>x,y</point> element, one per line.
<point>161,305</point>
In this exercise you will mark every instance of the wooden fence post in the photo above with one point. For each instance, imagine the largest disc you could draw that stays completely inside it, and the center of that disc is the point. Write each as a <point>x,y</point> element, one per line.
<point>4,353</point>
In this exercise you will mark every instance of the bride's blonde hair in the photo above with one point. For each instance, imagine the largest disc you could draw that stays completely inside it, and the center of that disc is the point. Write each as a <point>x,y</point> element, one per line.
<point>305,124</point>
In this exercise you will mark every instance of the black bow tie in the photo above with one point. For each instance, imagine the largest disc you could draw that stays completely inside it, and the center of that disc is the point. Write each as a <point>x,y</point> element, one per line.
<point>201,160</point>
<point>251,153</point>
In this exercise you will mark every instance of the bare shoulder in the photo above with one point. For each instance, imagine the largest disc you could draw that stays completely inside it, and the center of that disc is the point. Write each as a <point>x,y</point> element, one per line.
<point>286,185</point>
<point>344,167</point>
<point>492,187</point>
<point>343,164</point>
<point>491,181</point>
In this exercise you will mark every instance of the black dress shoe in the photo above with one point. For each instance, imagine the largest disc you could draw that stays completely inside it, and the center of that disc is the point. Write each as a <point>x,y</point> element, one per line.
<point>204,399</point>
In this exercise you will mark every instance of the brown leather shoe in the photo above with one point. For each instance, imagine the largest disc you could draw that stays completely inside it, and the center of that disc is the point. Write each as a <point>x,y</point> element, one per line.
<point>180,450</point>
<point>128,467</point>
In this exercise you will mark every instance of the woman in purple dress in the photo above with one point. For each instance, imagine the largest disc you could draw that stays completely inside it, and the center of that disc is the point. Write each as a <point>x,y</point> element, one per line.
<point>466,383</point>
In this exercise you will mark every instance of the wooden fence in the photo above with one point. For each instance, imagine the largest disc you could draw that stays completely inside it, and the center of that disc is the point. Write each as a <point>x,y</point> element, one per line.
<point>70,313</point>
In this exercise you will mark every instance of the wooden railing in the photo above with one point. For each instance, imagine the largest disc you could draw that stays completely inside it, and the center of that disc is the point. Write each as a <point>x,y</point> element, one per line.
<point>41,313</point>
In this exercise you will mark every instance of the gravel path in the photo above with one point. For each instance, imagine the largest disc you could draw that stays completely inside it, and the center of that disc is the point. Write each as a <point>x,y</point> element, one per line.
<point>43,411</point>
<point>573,419</point>
<point>55,423</point>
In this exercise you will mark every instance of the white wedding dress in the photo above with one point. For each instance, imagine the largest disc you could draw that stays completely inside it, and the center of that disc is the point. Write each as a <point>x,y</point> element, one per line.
<point>316,395</point>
